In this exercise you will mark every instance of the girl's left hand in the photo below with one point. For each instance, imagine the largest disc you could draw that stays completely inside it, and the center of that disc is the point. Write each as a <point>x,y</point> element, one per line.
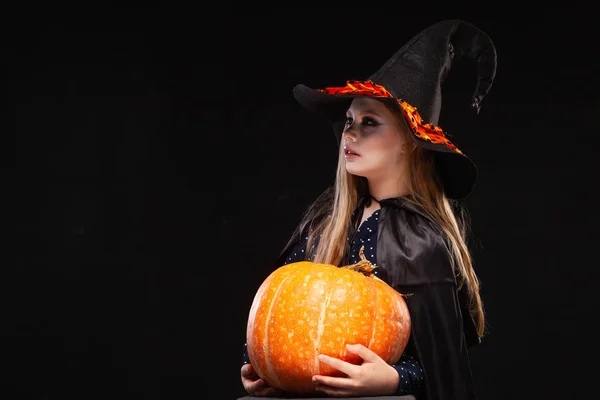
<point>373,377</point>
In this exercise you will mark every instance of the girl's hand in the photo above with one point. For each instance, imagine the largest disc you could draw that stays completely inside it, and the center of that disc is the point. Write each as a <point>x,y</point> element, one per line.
<point>373,377</point>
<point>256,386</point>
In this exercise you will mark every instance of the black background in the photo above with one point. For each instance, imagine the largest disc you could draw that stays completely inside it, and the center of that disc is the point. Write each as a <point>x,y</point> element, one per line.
<point>162,163</point>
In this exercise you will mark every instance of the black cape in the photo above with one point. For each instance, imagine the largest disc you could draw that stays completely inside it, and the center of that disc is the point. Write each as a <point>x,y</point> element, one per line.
<point>412,257</point>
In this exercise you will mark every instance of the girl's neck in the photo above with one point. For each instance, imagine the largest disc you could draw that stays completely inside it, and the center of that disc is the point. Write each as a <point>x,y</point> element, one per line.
<point>380,192</point>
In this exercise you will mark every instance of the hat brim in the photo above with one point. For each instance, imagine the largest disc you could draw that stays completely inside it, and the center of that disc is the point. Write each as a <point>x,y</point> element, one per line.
<point>332,107</point>
<point>456,171</point>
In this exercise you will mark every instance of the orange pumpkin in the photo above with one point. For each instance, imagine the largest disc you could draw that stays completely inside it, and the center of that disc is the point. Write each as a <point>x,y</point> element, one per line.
<point>305,308</point>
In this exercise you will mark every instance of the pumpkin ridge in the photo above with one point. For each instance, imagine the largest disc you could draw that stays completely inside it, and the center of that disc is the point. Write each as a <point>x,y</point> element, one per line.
<point>321,328</point>
<point>373,311</point>
<point>272,373</point>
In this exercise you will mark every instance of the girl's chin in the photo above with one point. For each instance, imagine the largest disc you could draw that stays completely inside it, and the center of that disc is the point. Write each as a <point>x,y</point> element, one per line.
<point>356,171</point>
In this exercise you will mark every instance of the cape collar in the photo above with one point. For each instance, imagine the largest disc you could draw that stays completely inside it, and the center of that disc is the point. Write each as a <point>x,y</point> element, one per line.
<point>400,202</point>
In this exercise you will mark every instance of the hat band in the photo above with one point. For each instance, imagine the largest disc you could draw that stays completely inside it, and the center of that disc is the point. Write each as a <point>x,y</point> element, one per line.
<point>428,132</point>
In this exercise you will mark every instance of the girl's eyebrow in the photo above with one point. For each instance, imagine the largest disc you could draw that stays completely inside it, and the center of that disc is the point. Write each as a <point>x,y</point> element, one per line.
<point>366,111</point>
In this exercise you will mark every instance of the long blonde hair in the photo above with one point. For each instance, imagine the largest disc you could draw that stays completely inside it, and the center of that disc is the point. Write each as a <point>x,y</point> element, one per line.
<point>342,198</point>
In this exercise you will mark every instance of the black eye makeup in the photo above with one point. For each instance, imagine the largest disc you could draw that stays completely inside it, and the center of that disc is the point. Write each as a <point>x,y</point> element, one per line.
<point>368,121</point>
<point>365,121</point>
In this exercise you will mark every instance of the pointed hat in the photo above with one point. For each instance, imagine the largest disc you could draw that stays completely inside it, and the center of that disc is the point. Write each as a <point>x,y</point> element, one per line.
<point>412,80</point>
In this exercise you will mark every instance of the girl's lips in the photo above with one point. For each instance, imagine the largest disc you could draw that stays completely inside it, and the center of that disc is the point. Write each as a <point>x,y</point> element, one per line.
<point>350,151</point>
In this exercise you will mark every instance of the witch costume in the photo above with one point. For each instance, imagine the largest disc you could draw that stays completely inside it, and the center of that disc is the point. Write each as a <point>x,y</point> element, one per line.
<point>401,239</point>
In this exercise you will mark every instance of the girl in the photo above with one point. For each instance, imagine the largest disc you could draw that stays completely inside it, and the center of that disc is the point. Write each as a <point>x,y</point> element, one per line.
<point>397,180</point>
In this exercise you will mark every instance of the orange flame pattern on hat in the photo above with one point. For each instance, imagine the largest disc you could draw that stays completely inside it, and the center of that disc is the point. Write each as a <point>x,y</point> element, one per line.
<point>428,132</point>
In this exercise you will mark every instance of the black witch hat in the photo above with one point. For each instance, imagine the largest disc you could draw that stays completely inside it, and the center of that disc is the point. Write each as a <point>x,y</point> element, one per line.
<point>412,79</point>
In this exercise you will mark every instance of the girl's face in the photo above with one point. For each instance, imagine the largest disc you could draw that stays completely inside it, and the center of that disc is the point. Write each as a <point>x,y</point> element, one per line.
<point>373,140</point>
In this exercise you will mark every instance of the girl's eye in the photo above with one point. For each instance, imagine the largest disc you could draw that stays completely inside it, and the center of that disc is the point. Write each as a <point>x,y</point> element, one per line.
<point>368,121</point>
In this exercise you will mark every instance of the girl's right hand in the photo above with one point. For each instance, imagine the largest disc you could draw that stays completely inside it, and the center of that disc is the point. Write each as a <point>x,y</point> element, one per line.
<point>256,386</point>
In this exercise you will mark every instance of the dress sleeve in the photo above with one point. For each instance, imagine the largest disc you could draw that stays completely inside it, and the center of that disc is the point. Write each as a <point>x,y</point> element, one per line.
<point>410,374</point>
<point>416,262</point>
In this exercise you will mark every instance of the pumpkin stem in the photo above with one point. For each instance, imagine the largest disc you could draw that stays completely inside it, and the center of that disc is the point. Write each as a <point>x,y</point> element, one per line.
<point>363,265</point>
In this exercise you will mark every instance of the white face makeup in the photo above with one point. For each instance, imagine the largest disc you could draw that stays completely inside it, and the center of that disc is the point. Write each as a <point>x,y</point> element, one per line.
<point>372,139</point>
